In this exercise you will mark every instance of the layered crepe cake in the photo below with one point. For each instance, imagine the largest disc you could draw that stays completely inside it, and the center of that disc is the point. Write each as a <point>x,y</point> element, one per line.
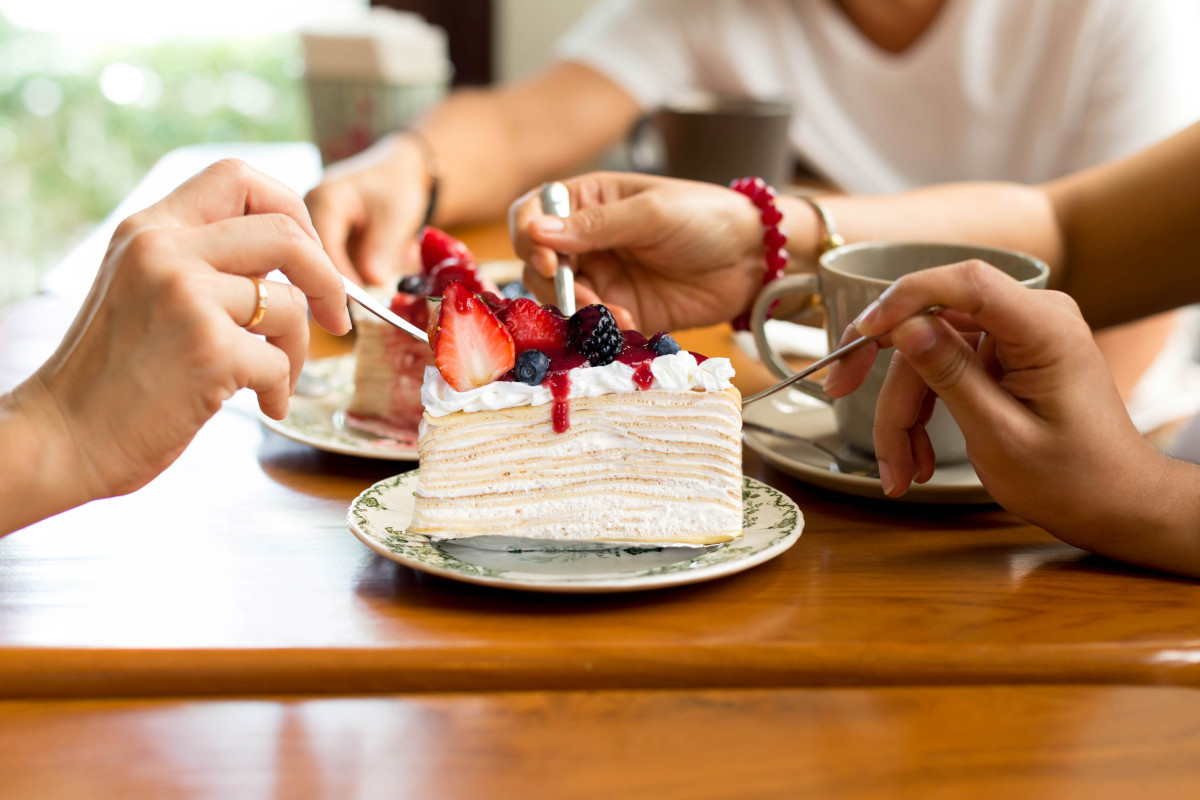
<point>573,431</point>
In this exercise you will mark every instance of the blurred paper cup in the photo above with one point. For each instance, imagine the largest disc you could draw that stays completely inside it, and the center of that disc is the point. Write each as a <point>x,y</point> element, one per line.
<point>369,75</point>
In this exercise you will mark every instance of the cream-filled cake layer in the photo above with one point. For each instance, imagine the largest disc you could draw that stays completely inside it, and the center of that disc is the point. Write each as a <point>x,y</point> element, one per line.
<point>654,466</point>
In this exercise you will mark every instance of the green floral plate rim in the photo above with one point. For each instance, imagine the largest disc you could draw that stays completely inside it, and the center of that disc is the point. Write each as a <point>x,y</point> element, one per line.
<point>319,419</point>
<point>379,518</point>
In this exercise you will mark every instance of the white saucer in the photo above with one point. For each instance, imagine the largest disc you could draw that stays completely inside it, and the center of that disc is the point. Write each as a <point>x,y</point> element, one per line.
<point>318,419</point>
<point>793,412</point>
<point>379,517</point>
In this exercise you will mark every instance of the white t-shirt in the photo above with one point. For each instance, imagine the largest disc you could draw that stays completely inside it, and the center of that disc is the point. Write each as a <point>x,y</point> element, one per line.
<point>1021,90</point>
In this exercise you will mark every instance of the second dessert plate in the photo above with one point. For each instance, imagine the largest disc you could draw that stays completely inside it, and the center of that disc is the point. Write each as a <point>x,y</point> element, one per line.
<point>317,416</point>
<point>809,451</point>
<point>379,517</point>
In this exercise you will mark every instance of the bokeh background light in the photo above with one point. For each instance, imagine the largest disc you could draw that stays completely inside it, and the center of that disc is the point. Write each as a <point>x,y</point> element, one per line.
<point>93,94</point>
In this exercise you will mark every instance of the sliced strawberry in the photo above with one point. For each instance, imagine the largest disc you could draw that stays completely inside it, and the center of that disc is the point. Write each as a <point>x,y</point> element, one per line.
<point>470,346</point>
<point>438,246</point>
<point>535,327</point>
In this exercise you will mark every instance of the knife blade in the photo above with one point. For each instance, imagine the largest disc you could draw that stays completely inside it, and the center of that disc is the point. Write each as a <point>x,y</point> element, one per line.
<point>364,299</point>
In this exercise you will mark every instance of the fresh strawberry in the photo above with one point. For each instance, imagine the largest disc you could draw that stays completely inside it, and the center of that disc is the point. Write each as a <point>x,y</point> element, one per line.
<point>438,246</point>
<point>535,327</point>
<point>495,302</point>
<point>470,346</point>
<point>449,271</point>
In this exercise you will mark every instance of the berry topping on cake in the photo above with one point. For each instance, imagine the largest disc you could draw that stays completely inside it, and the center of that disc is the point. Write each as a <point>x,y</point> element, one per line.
<point>438,247</point>
<point>594,333</point>
<point>413,284</point>
<point>411,307</point>
<point>633,339</point>
<point>535,327</point>
<point>662,344</point>
<point>470,346</point>
<point>531,367</point>
<point>450,271</point>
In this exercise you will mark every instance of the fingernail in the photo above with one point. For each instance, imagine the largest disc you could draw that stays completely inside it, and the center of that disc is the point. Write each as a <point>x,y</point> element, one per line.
<point>915,336</point>
<point>864,319</point>
<point>885,478</point>
<point>833,377</point>
<point>550,224</point>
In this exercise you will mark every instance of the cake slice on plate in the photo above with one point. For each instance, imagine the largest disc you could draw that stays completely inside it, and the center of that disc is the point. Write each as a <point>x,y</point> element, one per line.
<point>572,430</point>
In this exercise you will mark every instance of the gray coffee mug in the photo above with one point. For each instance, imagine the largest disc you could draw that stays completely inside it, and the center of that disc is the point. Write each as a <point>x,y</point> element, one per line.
<point>850,278</point>
<point>718,139</point>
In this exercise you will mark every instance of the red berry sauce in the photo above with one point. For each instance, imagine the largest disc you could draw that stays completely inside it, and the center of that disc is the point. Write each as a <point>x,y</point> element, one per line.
<point>642,376</point>
<point>560,388</point>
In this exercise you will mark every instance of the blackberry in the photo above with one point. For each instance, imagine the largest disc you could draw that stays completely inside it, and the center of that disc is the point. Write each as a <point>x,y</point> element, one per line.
<point>413,284</point>
<point>531,367</point>
<point>663,344</point>
<point>594,333</point>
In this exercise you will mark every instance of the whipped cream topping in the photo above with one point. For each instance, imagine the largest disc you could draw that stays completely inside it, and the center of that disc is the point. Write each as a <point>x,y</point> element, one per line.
<point>676,372</point>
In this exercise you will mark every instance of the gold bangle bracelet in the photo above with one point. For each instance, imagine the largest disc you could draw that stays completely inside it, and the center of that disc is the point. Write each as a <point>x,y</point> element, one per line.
<point>830,238</point>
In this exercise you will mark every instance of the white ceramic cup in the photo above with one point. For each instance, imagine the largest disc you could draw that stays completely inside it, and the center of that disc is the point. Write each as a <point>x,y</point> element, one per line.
<point>850,278</point>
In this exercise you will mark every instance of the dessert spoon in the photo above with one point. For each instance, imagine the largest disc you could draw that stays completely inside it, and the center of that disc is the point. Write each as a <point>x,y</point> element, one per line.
<point>556,202</point>
<point>841,352</point>
<point>364,299</point>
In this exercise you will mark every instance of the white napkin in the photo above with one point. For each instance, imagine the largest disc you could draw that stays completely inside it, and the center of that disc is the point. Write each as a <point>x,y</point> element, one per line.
<point>787,339</point>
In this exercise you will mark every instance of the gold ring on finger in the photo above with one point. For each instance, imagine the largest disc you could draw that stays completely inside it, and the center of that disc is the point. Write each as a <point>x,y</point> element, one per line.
<point>260,307</point>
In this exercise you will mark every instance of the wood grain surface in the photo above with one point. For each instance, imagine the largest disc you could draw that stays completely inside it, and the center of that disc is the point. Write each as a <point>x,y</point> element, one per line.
<point>981,742</point>
<point>234,574</point>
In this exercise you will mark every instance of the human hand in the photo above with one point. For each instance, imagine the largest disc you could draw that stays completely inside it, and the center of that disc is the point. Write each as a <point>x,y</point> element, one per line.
<point>368,208</point>
<point>1017,368</point>
<point>662,254</point>
<point>159,343</point>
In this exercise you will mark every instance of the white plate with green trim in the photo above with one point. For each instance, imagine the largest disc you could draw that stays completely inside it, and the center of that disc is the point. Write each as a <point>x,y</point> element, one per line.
<point>317,416</point>
<point>379,517</point>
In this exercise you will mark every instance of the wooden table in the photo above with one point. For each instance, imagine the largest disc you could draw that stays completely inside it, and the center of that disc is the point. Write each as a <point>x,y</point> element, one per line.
<point>977,742</point>
<point>233,576</point>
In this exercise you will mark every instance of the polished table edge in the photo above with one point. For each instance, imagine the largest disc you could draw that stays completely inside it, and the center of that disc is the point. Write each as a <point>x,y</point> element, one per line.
<point>986,741</point>
<point>130,673</point>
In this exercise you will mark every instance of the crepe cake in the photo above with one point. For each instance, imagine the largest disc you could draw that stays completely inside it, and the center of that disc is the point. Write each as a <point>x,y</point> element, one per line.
<point>389,365</point>
<point>572,430</point>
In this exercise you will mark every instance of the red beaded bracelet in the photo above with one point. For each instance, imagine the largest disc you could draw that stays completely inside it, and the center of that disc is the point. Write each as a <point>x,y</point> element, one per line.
<point>774,237</point>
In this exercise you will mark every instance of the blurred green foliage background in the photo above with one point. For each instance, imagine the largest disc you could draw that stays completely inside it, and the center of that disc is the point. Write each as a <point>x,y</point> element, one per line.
<point>78,133</point>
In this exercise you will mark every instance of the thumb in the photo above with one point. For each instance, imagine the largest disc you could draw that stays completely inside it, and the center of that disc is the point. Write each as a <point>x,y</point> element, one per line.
<point>950,367</point>
<point>619,224</point>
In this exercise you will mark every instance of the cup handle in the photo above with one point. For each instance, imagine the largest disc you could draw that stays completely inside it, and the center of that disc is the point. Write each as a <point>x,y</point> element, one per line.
<point>807,283</point>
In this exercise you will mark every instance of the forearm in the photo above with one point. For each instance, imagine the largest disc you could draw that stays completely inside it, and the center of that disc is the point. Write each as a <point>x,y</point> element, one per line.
<point>994,214</point>
<point>495,144</point>
<point>1154,523</point>
<point>1131,243</point>
<point>38,474</point>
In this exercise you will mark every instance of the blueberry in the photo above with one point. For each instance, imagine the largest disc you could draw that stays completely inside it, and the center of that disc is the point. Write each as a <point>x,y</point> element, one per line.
<point>413,284</point>
<point>663,344</point>
<point>531,367</point>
